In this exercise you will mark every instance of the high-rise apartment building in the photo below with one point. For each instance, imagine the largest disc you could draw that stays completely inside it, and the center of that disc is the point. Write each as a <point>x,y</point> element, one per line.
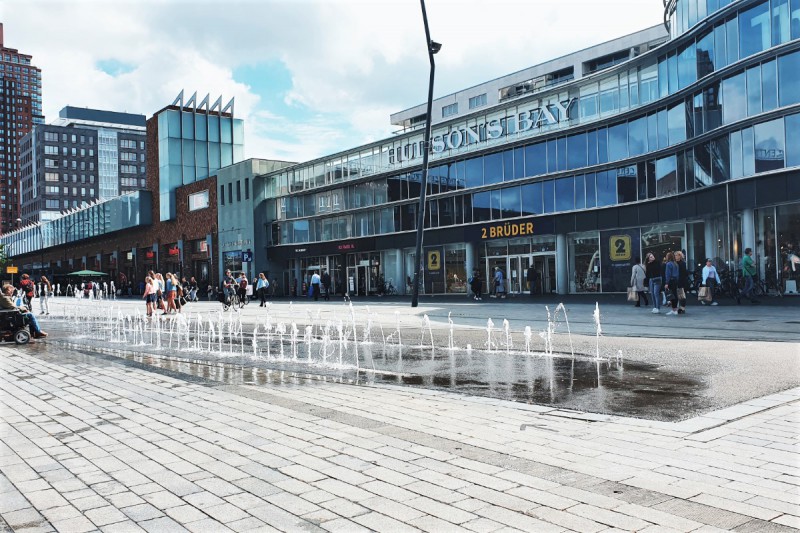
<point>83,156</point>
<point>20,109</point>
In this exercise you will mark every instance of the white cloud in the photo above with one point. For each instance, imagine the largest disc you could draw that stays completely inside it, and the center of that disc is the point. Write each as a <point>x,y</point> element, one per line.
<point>351,63</point>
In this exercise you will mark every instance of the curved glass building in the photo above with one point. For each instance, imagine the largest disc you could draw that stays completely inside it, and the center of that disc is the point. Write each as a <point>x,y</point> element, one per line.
<point>681,137</point>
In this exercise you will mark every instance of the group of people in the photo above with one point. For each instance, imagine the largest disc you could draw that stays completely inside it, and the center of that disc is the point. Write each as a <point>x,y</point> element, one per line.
<point>243,289</point>
<point>167,292</point>
<point>670,275</point>
<point>667,281</point>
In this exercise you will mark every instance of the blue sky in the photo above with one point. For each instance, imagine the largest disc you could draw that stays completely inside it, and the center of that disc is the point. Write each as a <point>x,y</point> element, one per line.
<point>310,77</point>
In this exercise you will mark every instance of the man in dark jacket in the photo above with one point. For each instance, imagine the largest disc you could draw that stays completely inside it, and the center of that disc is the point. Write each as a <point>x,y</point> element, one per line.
<point>326,284</point>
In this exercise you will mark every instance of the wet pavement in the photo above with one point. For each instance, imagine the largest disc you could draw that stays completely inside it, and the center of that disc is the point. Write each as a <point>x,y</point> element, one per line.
<point>466,428</point>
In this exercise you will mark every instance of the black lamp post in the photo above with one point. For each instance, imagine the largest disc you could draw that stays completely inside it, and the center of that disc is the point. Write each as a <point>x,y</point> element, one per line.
<point>433,47</point>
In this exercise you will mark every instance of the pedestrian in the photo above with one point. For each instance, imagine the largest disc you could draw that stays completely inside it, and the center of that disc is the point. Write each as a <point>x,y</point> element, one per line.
<point>262,285</point>
<point>193,290</point>
<point>169,293</point>
<point>149,295</point>
<point>652,270</point>
<point>683,281</point>
<point>499,283</point>
<point>44,295</point>
<point>710,280</point>
<point>315,281</point>
<point>532,280</point>
<point>160,296</point>
<point>476,284</point>
<point>671,282</point>
<point>28,289</point>
<point>638,280</point>
<point>241,282</point>
<point>749,272</point>
<point>326,284</point>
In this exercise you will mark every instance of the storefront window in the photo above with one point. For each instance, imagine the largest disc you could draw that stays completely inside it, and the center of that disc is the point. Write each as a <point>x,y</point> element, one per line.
<point>787,225</point>
<point>456,269</point>
<point>659,240</point>
<point>584,262</point>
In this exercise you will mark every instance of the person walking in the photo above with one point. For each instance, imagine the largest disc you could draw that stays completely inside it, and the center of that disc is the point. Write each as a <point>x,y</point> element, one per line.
<point>28,289</point>
<point>326,284</point>
<point>193,290</point>
<point>476,284</point>
<point>44,295</point>
<point>652,270</point>
<point>261,288</point>
<point>671,274</point>
<point>531,276</point>
<point>315,281</point>
<point>710,280</point>
<point>169,293</point>
<point>638,279</point>
<point>149,295</point>
<point>683,281</point>
<point>499,289</point>
<point>749,272</point>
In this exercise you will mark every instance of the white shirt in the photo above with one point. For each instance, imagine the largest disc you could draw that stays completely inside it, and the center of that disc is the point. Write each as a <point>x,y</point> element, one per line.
<point>315,278</point>
<point>710,272</point>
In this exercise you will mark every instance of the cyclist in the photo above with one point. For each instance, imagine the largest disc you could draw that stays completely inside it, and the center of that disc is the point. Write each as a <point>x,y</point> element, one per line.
<point>228,287</point>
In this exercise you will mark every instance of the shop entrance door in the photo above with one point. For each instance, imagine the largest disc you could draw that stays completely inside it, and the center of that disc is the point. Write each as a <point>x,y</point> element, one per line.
<point>518,274</point>
<point>545,277</point>
<point>362,280</point>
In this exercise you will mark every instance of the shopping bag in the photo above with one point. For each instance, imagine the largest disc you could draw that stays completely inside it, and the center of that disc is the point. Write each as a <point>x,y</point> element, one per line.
<point>633,295</point>
<point>704,294</point>
<point>681,294</point>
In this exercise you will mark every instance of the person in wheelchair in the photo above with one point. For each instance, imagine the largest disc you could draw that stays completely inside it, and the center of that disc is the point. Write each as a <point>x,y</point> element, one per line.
<point>7,302</point>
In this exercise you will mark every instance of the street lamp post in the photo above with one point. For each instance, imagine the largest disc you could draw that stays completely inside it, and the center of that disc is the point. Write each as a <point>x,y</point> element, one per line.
<point>433,47</point>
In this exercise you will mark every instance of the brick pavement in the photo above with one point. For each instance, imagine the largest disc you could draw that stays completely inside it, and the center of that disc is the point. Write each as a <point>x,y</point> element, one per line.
<point>91,444</point>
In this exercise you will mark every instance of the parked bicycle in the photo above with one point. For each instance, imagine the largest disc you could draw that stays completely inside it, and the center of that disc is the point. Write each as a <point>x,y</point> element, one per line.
<point>728,285</point>
<point>768,287</point>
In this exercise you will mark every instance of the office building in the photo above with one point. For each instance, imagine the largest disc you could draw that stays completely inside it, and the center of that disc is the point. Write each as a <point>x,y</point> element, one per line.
<point>85,156</point>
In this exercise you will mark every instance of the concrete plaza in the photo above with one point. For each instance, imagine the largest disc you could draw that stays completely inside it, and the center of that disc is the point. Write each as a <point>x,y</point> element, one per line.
<point>91,442</point>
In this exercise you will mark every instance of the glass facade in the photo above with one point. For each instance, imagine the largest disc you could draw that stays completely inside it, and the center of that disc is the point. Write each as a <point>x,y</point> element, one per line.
<point>717,105</point>
<point>126,211</point>
<point>193,145</point>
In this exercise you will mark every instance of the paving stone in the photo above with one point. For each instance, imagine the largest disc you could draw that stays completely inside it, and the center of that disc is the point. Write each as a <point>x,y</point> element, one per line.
<point>102,516</point>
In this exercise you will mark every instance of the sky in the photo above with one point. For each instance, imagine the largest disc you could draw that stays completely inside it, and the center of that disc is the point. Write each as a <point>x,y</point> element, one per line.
<point>309,77</point>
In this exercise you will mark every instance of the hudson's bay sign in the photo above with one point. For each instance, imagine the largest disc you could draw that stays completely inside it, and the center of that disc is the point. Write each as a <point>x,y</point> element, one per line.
<point>462,135</point>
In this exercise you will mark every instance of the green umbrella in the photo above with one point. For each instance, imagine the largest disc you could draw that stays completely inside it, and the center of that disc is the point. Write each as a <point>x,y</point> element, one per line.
<point>87,273</point>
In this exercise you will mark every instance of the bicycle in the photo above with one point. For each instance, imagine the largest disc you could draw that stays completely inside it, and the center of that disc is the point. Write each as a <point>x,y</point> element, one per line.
<point>762,287</point>
<point>388,289</point>
<point>728,285</point>
<point>232,302</point>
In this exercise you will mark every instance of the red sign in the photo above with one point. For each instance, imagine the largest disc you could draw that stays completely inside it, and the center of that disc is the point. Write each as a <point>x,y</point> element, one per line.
<point>174,251</point>
<point>150,254</point>
<point>346,247</point>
